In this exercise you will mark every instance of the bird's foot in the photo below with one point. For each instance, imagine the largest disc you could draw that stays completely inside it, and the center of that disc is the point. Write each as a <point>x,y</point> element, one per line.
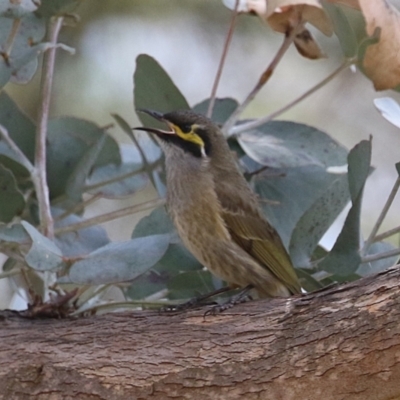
<point>195,302</point>
<point>242,297</point>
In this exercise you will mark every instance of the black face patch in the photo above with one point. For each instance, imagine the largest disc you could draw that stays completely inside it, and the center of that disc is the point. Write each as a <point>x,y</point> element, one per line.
<point>185,145</point>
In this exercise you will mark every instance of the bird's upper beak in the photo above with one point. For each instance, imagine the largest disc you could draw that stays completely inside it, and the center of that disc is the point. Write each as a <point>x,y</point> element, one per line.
<point>160,117</point>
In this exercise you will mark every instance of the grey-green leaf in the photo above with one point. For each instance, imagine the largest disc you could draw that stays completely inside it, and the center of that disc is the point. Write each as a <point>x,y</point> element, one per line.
<point>283,144</point>
<point>156,223</point>
<point>223,109</point>
<point>317,219</point>
<point>344,258</point>
<point>12,201</point>
<point>154,89</point>
<point>116,181</point>
<point>190,284</point>
<point>44,255</point>
<point>119,262</point>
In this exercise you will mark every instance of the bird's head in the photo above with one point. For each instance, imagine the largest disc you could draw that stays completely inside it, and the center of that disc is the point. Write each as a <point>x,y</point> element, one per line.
<point>187,130</point>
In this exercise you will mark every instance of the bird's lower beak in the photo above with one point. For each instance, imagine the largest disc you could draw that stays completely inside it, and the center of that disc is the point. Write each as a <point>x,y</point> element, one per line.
<point>160,117</point>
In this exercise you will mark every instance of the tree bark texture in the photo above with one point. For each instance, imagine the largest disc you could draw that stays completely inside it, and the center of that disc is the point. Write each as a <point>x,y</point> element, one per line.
<point>340,343</point>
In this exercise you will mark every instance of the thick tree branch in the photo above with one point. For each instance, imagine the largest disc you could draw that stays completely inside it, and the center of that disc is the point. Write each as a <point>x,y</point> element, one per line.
<point>340,343</point>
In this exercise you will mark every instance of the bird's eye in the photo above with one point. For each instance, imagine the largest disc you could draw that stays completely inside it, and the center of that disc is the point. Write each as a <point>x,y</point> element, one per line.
<point>186,128</point>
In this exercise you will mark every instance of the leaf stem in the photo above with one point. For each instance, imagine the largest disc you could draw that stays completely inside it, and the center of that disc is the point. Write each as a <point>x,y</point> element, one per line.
<point>40,176</point>
<point>236,130</point>
<point>381,217</point>
<point>264,78</point>
<point>380,256</point>
<point>21,156</point>
<point>222,60</point>
<point>111,216</point>
<point>386,234</point>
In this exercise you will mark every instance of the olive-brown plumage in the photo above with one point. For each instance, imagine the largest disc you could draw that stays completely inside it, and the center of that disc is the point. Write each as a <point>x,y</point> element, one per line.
<point>215,211</point>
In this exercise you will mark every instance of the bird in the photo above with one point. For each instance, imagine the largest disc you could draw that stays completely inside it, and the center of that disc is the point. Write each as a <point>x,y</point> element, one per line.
<point>215,211</point>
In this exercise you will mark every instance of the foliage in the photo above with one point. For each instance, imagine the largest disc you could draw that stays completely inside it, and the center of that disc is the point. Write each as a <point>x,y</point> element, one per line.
<point>304,179</point>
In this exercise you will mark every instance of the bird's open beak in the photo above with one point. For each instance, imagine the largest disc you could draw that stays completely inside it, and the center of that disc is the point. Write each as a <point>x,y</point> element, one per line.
<point>160,117</point>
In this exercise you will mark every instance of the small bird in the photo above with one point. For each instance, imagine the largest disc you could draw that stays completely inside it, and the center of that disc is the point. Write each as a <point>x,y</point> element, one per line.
<point>216,213</point>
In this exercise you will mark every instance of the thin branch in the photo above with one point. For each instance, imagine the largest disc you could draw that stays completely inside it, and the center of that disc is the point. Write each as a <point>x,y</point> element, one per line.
<point>386,234</point>
<point>78,207</point>
<point>264,77</point>
<point>256,123</point>
<point>111,216</point>
<point>380,256</point>
<point>21,156</point>
<point>381,217</point>
<point>222,60</point>
<point>11,37</point>
<point>40,181</point>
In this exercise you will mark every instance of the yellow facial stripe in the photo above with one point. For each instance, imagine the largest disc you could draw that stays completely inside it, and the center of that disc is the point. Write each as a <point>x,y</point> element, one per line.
<point>189,136</point>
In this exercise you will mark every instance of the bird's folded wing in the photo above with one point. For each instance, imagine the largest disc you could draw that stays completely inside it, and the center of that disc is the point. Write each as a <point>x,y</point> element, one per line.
<point>262,242</point>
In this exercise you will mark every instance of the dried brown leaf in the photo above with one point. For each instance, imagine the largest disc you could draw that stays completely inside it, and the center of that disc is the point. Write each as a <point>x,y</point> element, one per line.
<point>382,60</point>
<point>307,46</point>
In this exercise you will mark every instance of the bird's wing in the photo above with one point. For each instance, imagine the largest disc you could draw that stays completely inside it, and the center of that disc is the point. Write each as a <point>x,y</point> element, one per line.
<point>259,239</point>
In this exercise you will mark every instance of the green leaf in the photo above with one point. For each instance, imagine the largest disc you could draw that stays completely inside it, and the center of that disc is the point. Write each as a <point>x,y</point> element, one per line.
<point>154,89</point>
<point>288,193</point>
<point>14,234</point>
<point>124,180</point>
<point>344,258</point>
<point>76,182</point>
<point>119,262</point>
<point>307,282</point>
<point>18,170</point>
<point>156,223</point>
<point>22,61</point>
<point>20,128</point>
<point>316,221</point>
<point>190,284</point>
<point>145,285</point>
<point>81,242</point>
<point>342,28</point>
<point>44,255</point>
<point>397,165</point>
<point>223,109</point>
<point>67,143</point>
<point>283,144</point>
<point>12,201</point>
<point>374,267</point>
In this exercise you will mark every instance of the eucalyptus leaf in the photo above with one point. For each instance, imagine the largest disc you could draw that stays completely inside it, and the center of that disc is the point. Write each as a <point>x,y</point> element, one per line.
<point>12,201</point>
<point>342,27</point>
<point>223,109</point>
<point>117,181</point>
<point>283,144</point>
<point>145,285</point>
<point>49,8</point>
<point>81,242</point>
<point>20,128</point>
<point>76,182</point>
<point>68,141</point>
<point>287,193</point>
<point>317,219</point>
<point>44,255</point>
<point>344,258</point>
<point>119,262</point>
<point>190,284</point>
<point>14,234</point>
<point>154,89</point>
<point>156,223</point>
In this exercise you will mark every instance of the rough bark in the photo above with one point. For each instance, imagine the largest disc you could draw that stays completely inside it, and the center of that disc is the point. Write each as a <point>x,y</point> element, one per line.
<point>341,343</point>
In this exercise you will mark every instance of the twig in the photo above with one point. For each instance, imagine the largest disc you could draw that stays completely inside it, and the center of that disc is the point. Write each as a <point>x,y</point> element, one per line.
<point>236,130</point>
<point>381,217</point>
<point>380,256</point>
<point>386,234</point>
<point>21,156</point>
<point>222,60</point>
<point>40,181</point>
<point>11,37</point>
<point>78,207</point>
<point>264,77</point>
<point>110,216</point>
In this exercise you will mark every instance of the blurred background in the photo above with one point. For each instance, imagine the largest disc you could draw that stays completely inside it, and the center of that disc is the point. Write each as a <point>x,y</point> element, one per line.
<point>186,38</point>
